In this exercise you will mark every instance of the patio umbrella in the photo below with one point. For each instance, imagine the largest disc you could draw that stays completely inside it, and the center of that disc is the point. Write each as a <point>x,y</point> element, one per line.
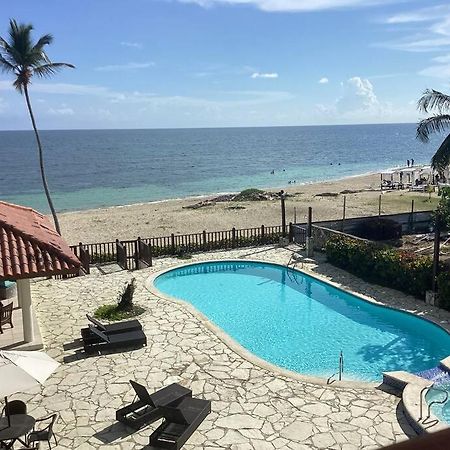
<point>20,371</point>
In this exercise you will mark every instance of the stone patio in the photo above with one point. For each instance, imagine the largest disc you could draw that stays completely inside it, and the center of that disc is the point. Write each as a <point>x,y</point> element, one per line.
<point>253,407</point>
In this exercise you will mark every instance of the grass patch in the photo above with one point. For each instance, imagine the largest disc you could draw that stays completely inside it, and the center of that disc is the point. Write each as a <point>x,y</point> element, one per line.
<point>114,313</point>
<point>249,195</point>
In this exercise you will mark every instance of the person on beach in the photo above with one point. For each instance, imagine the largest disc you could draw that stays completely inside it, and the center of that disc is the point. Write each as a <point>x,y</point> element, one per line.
<point>412,162</point>
<point>407,162</point>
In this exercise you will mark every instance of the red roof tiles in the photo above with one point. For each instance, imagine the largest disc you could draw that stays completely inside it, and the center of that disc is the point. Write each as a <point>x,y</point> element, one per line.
<point>30,247</point>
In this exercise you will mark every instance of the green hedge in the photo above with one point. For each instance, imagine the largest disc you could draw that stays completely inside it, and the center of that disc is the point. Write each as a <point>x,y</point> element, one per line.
<point>389,267</point>
<point>443,282</point>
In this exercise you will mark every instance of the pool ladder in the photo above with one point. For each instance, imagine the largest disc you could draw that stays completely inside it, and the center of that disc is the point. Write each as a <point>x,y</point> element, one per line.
<point>340,371</point>
<point>426,420</point>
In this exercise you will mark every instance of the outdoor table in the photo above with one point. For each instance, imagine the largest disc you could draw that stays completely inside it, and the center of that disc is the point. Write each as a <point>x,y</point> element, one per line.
<point>21,425</point>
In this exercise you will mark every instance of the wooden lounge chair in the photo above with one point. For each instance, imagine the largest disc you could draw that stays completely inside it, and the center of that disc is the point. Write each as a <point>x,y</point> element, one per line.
<point>179,423</point>
<point>102,341</point>
<point>6,316</point>
<point>145,407</point>
<point>119,327</point>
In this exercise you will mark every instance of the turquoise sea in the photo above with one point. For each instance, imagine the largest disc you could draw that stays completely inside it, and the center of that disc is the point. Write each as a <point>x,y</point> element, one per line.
<point>94,168</point>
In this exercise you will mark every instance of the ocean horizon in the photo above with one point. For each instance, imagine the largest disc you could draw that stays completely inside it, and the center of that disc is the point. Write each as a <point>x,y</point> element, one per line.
<point>89,169</point>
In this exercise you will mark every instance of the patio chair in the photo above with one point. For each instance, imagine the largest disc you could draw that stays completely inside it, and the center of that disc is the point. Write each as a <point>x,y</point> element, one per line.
<point>112,328</point>
<point>179,423</point>
<point>145,407</point>
<point>102,341</point>
<point>6,316</point>
<point>14,407</point>
<point>45,433</point>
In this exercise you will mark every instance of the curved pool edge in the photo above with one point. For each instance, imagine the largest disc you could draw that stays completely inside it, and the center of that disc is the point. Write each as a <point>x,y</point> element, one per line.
<point>235,346</point>
<point>413,396</point>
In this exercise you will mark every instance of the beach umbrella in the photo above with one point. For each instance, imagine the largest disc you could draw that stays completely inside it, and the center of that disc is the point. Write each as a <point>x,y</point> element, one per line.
<point>23,370</point>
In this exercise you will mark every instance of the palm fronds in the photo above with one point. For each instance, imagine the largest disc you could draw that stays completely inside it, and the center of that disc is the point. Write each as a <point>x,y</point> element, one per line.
<point>441,159</point>
<point>433,124</point>
<point>433,100</point>
<point>47,70</point>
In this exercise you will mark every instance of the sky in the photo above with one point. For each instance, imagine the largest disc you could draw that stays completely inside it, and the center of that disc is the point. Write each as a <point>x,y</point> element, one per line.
<point>220,63</point>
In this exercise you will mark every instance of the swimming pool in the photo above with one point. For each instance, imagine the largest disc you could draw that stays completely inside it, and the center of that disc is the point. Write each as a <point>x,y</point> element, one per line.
<point>300,323</point>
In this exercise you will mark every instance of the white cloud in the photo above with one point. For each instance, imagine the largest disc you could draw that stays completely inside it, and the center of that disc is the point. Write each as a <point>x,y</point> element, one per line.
<point>419,15</point>
<point>63,111</point>
<point>264,75</point>
<point>3,105</point>
<point>358,95</point>
<point>440,68</point>
<point>444,59</point>
<point>127,66</point>
<point>433,24</point>
<point>137,45</point>
<point>69,89</point>
<point>359,103</point>
<point>292,5</point>
<point>418,44</point>
<point>437,71</point>
<point>324,80</point>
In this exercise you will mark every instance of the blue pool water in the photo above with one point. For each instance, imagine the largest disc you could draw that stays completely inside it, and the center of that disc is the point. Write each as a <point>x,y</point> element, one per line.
<point>441,379</point>
<point>297,322</point>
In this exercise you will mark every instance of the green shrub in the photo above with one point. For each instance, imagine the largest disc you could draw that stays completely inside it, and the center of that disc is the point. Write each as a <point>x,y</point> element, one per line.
<point>249,195</point>
<point>124,308</point>
<point>443,282</point>
<point>389,267</point>
<point>113,312</point>
<point>379,229</point>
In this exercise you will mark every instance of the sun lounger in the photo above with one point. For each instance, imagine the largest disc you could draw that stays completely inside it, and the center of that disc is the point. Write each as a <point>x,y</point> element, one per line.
<point>419,188</point>
<point>103,341</point>
<point>179,423</point>
<point>112,328</point>
<point>146,408</point>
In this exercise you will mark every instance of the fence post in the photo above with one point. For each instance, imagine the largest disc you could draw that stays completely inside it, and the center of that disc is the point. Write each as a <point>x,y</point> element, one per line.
<point>291,232</point>
<point>204,240</point>
<point>411,221</point>
<point>233,237</point>
<point>172,244</point>
<point>437,239</point>
<point>379,206</point>
<point>309,240</point>
<point>343,213</point>
<point>309,227</point>
<point>137,252</point>
<point>283,212</point>
<point>263,234</point>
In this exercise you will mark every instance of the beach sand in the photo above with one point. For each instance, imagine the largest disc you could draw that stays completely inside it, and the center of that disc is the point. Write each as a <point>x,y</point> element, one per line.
<point>166,217</point>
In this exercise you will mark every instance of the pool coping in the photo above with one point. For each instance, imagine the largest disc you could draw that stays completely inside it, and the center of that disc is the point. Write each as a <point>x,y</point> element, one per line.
<point>246,354</point>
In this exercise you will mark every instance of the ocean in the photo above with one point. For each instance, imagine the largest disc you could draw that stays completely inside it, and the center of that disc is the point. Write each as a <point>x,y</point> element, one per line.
<point>97,168</point>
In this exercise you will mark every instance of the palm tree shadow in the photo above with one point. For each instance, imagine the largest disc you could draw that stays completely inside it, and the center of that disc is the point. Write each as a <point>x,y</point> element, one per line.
<point>402,355</point>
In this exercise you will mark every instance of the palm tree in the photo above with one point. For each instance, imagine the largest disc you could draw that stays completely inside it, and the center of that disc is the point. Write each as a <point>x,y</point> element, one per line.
<point>23,58</point>
<point>438,104</point>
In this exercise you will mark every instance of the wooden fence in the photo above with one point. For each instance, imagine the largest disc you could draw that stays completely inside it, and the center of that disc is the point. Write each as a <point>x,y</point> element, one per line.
<point>138,253</point>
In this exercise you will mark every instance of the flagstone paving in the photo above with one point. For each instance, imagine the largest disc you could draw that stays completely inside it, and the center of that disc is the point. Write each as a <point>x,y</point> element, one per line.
<point>252,407</point>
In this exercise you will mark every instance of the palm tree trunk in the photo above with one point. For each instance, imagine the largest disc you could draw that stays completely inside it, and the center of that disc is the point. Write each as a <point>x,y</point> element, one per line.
<point>41,161</point>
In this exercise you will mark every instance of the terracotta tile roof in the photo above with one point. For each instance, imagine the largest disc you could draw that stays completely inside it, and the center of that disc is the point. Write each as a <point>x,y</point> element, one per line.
<point>30,246</point>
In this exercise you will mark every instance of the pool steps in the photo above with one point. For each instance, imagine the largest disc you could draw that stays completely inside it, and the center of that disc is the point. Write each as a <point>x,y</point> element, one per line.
<point>414,389</point>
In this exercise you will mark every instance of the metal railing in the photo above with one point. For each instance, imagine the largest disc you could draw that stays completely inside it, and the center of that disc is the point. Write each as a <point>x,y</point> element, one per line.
<point>340,370</point>
<point>426,420</point>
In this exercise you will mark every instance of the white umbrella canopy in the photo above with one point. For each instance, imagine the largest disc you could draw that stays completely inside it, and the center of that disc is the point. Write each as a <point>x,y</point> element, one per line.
<point>23,370</point>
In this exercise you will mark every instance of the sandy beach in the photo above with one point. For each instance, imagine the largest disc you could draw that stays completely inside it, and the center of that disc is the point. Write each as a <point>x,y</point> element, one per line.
<point>166,217</point>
